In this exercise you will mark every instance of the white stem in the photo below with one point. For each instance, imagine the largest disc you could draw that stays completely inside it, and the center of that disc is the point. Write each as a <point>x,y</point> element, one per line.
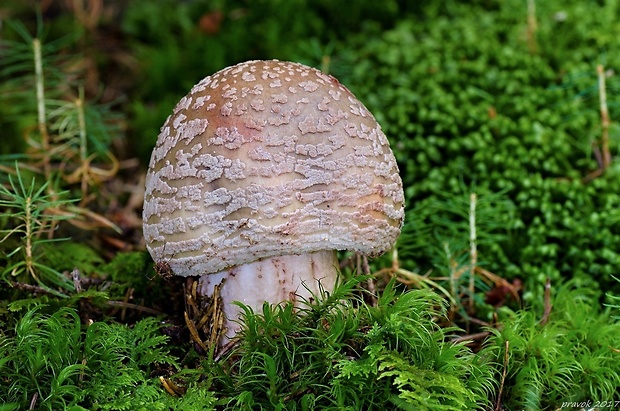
<point>473,248</point>
<point>272,280</point>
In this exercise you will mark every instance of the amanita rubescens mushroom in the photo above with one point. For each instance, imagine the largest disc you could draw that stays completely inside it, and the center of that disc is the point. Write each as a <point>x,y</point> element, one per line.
<point>262,171</point>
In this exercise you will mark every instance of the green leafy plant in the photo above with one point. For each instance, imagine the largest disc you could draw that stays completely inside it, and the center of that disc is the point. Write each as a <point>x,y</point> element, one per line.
<point>570,355</point>
<point>50,362</point>
<point>65,137</point>
<point>63,155</point>
<point>35,214</point>
<point>41,362</point>
<point>455,232</point>
<point>464,101</point>
<point>407,356</point>
<point>121,360</point>
<point>342,353</point>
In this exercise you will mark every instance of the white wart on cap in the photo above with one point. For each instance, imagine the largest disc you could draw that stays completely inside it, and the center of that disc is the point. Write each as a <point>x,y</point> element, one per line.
<point>267,159</point>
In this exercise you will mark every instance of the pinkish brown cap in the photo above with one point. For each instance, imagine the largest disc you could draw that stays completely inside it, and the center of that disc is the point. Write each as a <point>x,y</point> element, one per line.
<point>269,158</point>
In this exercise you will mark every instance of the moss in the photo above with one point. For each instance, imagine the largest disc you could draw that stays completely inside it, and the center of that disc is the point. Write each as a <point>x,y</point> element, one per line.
<point>464,101</point>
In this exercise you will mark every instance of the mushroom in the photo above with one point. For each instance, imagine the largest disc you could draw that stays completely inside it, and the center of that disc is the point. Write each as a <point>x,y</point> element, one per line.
<point>260,174</point>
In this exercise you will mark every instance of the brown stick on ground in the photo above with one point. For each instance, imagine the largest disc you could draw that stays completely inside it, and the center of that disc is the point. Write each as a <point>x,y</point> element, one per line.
<point>35,289</point>
<point>471,337</point>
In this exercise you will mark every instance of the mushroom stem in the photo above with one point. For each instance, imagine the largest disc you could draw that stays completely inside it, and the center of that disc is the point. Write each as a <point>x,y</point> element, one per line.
<point>272,280</point>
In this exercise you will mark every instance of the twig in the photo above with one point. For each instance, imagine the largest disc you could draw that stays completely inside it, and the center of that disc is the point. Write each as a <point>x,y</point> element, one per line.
<point>128,296</point>
<point>547,303</point>
<point>191,297</point>
<point>33,401</point>
<point>596,173</point>
<point>125,305</point>
<point>471,337</point>
<point>227,348</point>
<point>395,260</point>
<point>32,288</point>
<point>204,315</point>
<point>478,321</point>
<point>346,262</point>
<point>218,316</point>
<point>501,385</point>
<point>365,265</point>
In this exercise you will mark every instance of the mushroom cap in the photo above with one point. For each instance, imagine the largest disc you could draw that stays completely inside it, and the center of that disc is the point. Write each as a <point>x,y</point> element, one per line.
<point>269,158</point>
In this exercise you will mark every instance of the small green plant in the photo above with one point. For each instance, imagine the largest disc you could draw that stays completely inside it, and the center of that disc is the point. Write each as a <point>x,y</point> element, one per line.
<point>122,361</point>
<point>65,137</point>
<point>454,232</point>
<point>407,359</point>
<point>41,362</point>
<point>334,353</point>
<point>570,355</point>
<point>339,353</point>
<point>35,214</point>
<point>594,94</point>
<point>60,157</point>
<point>50,362</point>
